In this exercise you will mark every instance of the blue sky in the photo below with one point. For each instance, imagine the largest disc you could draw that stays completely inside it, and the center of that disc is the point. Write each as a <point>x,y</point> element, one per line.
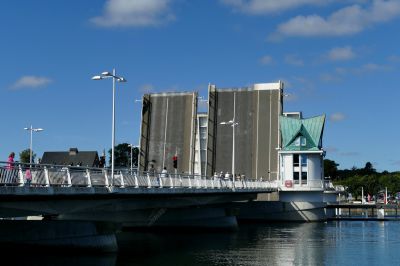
<point>338,57</point>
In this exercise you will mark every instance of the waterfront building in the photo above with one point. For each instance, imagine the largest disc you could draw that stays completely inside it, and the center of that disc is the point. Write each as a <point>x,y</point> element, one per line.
<point>73,157</point>
<point>301,155</point>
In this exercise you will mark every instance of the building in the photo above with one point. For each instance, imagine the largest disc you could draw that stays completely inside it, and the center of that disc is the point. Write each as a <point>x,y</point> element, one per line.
<point>200,157</point>
<point>301,156</point>
<point>73,157</point>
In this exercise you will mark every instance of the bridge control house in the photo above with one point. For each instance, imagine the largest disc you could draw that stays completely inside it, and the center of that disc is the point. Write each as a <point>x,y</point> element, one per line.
<point>301,155</point>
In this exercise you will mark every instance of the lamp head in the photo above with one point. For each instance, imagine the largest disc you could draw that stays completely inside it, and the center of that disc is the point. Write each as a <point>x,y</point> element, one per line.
<point>96,78</point>
<point>106,73</point>
<point>121,79</point>
<point>38,129</point>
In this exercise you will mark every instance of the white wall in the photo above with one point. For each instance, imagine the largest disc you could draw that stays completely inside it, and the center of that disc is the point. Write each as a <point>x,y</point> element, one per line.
<point>287,171</point>
<point>314,167</point>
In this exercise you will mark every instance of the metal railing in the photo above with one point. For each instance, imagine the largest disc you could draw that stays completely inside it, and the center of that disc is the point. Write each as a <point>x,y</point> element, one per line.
<point>35,175</point>
<point>304,185</point>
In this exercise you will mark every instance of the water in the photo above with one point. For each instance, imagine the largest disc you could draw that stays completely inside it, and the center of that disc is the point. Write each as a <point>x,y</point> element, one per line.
<point>332,243</point>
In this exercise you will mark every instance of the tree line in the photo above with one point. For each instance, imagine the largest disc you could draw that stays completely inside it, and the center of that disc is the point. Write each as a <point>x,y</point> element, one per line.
<point>367,178</point>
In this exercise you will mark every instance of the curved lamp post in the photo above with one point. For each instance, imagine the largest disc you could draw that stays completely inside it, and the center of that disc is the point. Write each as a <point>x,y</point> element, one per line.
<point>31,129</point>
<point>112,75</point>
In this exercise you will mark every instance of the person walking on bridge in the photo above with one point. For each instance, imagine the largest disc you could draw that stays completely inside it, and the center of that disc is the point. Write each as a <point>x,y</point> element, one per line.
<point>164,174</point>
<point>10,167</point>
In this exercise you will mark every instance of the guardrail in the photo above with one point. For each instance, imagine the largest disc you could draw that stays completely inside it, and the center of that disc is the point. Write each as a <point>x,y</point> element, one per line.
<point>305,185</point>
<point>19,174</point>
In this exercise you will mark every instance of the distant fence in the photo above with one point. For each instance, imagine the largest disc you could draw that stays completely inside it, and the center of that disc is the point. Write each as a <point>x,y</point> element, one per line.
<point>19,174</point>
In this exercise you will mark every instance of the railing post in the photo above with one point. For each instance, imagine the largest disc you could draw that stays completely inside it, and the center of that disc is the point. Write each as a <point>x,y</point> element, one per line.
<point>190,182</point>
<point>136,180</point>
<point>46,177</point>
<point>161,181</point>
<point>122,179</point>
<point>180,181</point>
<point>197,182</point>
<point>89,182</point>
<point>69,182</point>
<point>170,180</point>
<point>233,183</point>
<point>148,181</point>
<point>20,176</point>
<point>106,178</point>
<point>212,182</point>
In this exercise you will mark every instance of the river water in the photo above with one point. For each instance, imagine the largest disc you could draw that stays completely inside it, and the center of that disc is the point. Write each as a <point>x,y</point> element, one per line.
<point>331,243</point>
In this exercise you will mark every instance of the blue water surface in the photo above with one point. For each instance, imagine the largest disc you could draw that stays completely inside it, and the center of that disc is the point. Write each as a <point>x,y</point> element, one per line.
<point>331,243</point>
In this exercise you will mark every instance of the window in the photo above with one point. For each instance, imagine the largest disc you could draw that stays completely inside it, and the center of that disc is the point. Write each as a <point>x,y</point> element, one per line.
<point>296,177</point>
<point>295,160</point>
<point>304,178</point>
<point>297,141</point>
<point>303,160</point>
<point>300,141</point>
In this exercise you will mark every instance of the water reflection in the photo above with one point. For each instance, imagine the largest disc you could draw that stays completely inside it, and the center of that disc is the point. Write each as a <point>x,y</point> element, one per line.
<point>333,243</point>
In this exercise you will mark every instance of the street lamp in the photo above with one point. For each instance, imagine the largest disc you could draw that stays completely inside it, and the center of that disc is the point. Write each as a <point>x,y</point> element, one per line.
<point>105,75</point>
<point>31,129</point>
<point>232,123</point>
<point>132,146</point>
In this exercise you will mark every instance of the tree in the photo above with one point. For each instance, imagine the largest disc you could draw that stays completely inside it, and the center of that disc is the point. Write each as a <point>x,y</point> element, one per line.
<point>24,156</point>
<point>369,169</point>
<point>330,168</point>
<point>122,153</point>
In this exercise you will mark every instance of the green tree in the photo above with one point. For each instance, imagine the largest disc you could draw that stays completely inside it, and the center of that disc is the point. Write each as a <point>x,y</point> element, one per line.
<point>24,156</point>
<point>122,153</point>
<point>330,168</point>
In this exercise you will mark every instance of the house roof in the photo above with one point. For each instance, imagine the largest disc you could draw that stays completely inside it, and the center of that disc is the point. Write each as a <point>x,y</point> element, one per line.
<point>311,129</point>
<point>72,157</point>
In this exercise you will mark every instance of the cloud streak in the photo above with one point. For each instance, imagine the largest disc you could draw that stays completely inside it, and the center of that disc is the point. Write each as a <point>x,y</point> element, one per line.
<point>30,82</point>
<point>336,117</point>
<point>138,13</point>
<point>346,21</point>
<point>266,60</point>
<point>262,7</point>
<point>341,54</point>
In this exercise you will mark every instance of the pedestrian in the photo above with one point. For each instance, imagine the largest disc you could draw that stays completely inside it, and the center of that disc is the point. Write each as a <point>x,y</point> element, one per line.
<point>10,167</point>
<point>221,178</point>
<point>152,171</point>
<point>28,177</point>
<point>10,161</point>
<point>164,174</point>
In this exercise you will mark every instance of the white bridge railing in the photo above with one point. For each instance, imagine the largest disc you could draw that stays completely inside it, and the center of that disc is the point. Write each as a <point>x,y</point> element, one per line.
<point>39,175</point>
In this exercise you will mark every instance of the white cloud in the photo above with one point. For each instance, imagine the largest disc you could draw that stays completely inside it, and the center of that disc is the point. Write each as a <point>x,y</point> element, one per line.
<point>336,117</point>
<point>330,77</point>
<point>134,13</point>
<point>346,21</point>
<point>294,60</point>
<point>394,58</point>
<point>261,7</point>
<point>370,67</point>
<point>30,82</point>
<point>341,53</point>
<point>266,60</point>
